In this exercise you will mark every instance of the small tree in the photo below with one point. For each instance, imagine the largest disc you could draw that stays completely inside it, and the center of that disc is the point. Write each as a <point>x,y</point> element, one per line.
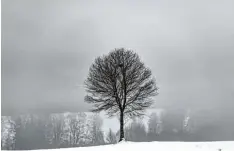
<point>55,128</point>
<point>76,128</point>
<point>111,137</point>
<point>97,133</point>
<point>7,133</point>
<point>154,126</point>
<point>120,84</point>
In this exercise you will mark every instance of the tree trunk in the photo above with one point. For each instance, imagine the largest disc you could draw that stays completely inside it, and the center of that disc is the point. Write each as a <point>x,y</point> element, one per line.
<point>121,126</point>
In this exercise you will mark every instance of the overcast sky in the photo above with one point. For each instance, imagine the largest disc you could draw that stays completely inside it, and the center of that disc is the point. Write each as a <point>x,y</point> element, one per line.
<point>48,46</point>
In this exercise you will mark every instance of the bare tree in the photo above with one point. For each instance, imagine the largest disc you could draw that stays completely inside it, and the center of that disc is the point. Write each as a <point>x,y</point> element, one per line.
<point>55,130</point>
<point>76,128</point>
<point>97,134</point>
<point>120,84</point>
<point>111,137</point>
<point>154,126</point>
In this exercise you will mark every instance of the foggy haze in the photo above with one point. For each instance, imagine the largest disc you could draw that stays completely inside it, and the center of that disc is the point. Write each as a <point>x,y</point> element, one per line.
<point>48,47</point>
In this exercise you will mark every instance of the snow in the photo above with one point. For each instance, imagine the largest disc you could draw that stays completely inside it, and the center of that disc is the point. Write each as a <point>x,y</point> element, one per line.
<point>159,146</point>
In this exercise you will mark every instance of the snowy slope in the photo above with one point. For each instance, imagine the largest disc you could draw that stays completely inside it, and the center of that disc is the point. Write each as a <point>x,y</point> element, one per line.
<point>159,146</point>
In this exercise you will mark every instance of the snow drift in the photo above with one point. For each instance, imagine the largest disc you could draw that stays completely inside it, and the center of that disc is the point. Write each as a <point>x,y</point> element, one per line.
<point>159,146</point>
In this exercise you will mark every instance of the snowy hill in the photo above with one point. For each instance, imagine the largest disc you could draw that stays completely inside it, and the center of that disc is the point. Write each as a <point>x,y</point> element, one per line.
<point>159,146</point>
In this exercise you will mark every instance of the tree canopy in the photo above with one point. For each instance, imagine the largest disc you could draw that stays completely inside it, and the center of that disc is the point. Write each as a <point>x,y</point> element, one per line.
<point>119,83</point>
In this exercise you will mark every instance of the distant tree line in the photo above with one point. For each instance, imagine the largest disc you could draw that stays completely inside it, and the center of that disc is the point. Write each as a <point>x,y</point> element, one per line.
<point>179,126</point>
<point>56,131</point>
<point>81,129</point>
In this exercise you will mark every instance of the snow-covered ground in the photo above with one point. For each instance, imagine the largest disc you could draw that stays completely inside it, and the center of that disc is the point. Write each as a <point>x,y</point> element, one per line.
<point>159,146</point>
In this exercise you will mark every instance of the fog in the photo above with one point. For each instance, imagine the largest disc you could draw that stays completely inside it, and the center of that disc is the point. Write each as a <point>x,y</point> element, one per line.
<point>48,46</point>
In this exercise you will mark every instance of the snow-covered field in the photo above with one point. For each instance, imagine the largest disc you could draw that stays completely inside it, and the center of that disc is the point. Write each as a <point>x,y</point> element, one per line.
<point>159,146</point>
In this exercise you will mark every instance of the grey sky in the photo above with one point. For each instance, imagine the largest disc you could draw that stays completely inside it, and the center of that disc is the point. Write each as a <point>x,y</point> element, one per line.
<point>48,46</point>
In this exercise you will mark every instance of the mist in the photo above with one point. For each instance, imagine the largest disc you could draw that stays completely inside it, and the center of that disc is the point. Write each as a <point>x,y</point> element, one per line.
<point>48,47</point>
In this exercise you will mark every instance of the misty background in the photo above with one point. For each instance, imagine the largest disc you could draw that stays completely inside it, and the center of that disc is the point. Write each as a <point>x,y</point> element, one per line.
<point>48,47</point>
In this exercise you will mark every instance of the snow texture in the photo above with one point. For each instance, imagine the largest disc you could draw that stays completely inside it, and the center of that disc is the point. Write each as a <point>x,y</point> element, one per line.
<point>159,146</point>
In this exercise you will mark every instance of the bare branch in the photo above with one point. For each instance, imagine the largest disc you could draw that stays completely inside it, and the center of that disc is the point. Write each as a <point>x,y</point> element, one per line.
<point>120,84</point>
